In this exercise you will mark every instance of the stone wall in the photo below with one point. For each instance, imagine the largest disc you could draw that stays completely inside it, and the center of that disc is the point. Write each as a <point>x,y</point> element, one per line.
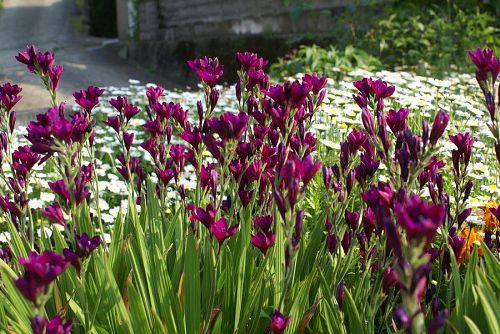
<point>170,31</point>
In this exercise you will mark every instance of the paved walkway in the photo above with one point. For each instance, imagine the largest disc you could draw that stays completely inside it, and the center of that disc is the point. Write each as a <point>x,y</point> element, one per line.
<point>86,60</point>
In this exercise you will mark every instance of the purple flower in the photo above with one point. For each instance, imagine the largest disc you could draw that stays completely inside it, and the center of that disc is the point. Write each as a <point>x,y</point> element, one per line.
<point>331,242</point>
<point>5,254</point>
<point>438,321</point>
<point>153,93</point>
<point>39,272</point>
<point>128,139</point>
<point>419,218</point>
<point>86,245</point>
<point>341,293</point>
<point>114,123</point>
<point>54,213</point>
<point>368,123</point>
<point>356,139</point>
<point>397,120</point>
<point>59,187</point>
<point>346,241</point>
<point>279,322</point>
<point>40,325</point>
<point>401,317</point>
<point>485,63</point>
<point>207,69</point>
<point>221,231</point>
<point>464,144</point>
<point>119,102</point>
<point>495,212</point>
<point>229,126</point>
<point>438,126</point>
<point>263,222</point>
<point>389,279</point>
<point>381,89</point>
<point>299,93</point>
<point>129,111</point>
<point>55,73</point>
<point>23,160</point>
<point>89,98</point>
<point>44,61</point>
<point>364,86</point>
<point>352,219</point>
<point>28,57</point>
<point>9,95</point>
<point>263,241</point>
<point>316,83</point>
<point>249,60</point>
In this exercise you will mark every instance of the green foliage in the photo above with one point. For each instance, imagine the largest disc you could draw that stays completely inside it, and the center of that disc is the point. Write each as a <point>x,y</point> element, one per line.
<point>325,61</point>
<point>424,36</point>
<point>436,36</point>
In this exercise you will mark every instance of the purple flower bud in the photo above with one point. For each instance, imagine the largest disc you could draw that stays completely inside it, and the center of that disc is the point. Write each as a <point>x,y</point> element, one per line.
<point>341,293</point>
<point>463,216</point>
<point>468,188</point>
<point>346,241</point>
<point>438,126</point>
<point>298,228</point>
<point>214,98</point>
<point>12,121</point>
<point>279,322</point>
<point>389,279</point>
<point>368,123</point>
<point>352,219</point>
<point>54,213</point>
<point>128,139</point>
<point>59,187</point>
<point>55,74</point>
<point>401,317</point>
<point>438,321</point>
<point>425,133</point>
<point>331,242</point>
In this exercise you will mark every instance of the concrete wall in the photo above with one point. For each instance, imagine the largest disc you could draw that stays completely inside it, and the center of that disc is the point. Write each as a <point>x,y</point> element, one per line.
<point>169,31</point>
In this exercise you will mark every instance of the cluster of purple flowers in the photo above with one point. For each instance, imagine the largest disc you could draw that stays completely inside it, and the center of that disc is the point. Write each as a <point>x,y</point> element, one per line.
<point>487,70</point>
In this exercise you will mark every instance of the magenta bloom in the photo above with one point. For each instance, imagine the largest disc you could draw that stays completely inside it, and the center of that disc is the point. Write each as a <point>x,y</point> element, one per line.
<point>364,86</point>
<point>86,245</point>
<point>23,160</point>
<point>397,120</point>
<point>263,222</point>
<point>279,322</point>
<point>39,272</point>
<point>418,218</point>
<point>464,144</point>
<point>381,89</point>
<point>54,213</point>
<point>263,241</point>
<point>59,187</point>
<point>485,63</point>
<point>40,325</point>
<point>55,73</point>
<point>341,293</point>
<point>209,70</point>
<point>89,98</point>
<point>316,83</point>
<point>229,126</point>
<point>9,95</point>
<point>114,123</point>
<point>28,57</point>
<point>249,60</point>
<point>221,231</point>
<point>439,125</point>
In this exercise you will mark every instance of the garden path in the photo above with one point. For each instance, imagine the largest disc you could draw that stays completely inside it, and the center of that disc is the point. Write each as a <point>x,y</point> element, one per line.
<point>86,60</point>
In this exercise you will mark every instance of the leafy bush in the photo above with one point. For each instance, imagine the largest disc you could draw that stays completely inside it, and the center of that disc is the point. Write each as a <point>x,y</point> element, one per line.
<point>430,37</point>
<point>325,61</point>
<point>263,241</point>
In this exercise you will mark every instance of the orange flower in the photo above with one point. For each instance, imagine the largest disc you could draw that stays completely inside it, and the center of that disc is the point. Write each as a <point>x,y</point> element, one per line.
<point>471,235</point>
<point>489,219</point>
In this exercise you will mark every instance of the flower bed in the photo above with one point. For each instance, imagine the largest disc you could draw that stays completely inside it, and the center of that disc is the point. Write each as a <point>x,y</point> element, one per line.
<point>312,206</point>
